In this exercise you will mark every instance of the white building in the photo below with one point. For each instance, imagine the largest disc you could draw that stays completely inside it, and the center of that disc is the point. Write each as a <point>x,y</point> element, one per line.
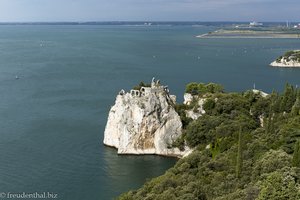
<point>256,23</point>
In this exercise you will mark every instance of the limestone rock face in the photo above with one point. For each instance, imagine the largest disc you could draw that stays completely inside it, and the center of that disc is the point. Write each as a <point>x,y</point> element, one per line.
<point>187,98</point>
<point>144,122</point>
<point>285,63</point>
<point>194,113</point>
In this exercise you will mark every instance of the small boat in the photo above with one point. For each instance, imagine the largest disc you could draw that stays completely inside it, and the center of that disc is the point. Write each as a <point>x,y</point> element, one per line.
<point>17,77</point>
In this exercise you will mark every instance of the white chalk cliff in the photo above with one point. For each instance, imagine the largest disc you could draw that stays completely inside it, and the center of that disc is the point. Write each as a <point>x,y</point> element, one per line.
<point>144,122</point>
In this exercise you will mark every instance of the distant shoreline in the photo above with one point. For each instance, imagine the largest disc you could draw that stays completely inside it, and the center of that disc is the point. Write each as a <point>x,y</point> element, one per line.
<point>120,22</point>
<point>245,37</point>
<point>266,33</point>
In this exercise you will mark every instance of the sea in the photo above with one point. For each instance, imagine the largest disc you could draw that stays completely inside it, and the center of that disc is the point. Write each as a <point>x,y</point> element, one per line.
<point>59,81</point>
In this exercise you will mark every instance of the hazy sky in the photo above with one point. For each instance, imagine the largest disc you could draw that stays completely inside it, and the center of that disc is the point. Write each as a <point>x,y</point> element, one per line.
<point>149,10</point>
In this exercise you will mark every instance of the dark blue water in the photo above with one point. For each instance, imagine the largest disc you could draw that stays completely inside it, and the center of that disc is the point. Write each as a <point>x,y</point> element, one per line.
<point>53,116</point>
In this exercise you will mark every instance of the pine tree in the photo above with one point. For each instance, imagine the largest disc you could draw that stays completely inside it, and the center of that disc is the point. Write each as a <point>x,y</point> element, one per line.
<point>270,122</point>
<point>296,107</point>
<point>296,155</point>
<point>215,149</point>
<point>275,102</point>
<point>239,158</point>
<point>288,98</point>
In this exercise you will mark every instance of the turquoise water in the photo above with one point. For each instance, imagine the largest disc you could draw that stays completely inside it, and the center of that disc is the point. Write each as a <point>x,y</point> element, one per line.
<point>53,116</point>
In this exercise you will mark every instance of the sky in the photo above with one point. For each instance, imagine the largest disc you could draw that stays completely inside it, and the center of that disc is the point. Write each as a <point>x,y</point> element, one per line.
<point>148,10</point>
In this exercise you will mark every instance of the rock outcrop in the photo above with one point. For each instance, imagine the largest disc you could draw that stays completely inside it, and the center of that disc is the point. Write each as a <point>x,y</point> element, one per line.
<point>290,59</point>
<point>260,92</point>
<point>197,111</point>
<point>285,63</point>
<point>144,121</point>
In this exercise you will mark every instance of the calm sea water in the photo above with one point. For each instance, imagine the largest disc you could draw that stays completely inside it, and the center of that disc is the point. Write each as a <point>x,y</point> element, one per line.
<point>52,117</point>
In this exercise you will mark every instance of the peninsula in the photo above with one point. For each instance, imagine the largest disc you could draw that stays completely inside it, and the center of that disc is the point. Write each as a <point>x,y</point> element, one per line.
<point>289,59</point>
<point>252,32</point>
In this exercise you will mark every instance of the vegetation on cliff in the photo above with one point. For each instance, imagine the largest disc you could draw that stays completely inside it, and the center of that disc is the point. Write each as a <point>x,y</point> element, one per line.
<point>246,147</point>
<point>201,88</point>
<point>290,56</point>
<point>140,85</point>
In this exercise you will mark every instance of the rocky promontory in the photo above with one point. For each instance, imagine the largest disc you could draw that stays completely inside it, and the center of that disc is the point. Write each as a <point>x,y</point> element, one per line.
<point>289,59</point>
<point>144,121</point>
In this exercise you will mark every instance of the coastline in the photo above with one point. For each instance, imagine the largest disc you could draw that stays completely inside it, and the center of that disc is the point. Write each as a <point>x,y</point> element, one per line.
<point>245,37</point>
<point>244,34</point>
<point>149,154</point>
<point>285,65</point>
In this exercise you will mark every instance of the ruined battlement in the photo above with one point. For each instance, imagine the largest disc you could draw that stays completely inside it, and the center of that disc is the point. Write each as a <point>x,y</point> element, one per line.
<point>155,88</point>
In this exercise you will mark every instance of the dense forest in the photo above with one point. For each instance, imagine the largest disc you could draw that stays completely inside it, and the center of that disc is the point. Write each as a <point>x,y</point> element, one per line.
<point>247,146</point>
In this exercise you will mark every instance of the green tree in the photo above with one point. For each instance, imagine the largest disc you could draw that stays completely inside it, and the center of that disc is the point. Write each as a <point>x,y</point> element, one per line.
<point>270,123</point>
<point>296,155</point>
<point>270,162</point>
<point>288,99</point>
<point>215,148</point>
<point>296,107</point>
<point>214,88</point>
<point>209,105</point>
<point>201,88</point>
<point>239,158</point>
<point>279,186</point>
<point>192,88</point>
<point>202,130</point>
<point>276,102</point>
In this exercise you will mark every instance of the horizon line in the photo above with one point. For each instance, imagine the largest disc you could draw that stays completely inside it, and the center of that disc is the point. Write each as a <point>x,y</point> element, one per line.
<point>149,21</point>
